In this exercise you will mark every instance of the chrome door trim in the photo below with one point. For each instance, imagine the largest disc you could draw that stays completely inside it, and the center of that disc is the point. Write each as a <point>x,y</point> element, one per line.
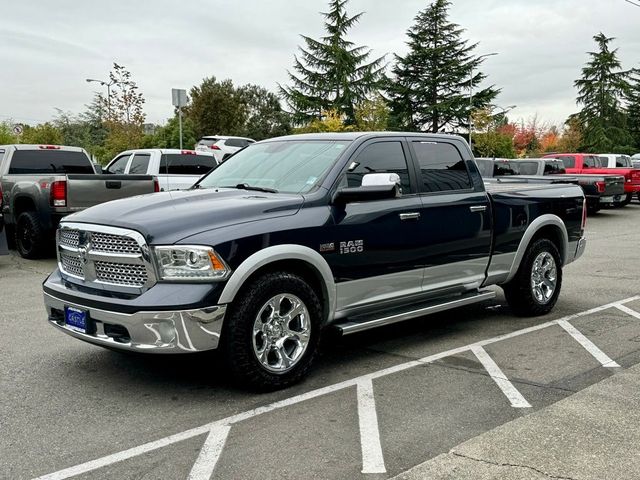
<point>409,216</point>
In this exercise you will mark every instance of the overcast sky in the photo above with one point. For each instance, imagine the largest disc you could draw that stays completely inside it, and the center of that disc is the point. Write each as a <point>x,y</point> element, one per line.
<point>50,46</point>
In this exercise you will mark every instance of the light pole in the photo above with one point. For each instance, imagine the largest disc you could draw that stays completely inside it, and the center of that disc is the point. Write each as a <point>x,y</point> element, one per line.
<point>108,85</point>
<point>471,90</point>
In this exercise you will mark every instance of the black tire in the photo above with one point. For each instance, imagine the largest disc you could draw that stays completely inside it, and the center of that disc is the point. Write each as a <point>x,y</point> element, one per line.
<point>237,340</point>
<point>29,236</point>
<point>520,292</point>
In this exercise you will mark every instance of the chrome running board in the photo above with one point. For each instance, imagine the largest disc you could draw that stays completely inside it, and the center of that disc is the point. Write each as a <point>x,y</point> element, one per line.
<point>361,323</point>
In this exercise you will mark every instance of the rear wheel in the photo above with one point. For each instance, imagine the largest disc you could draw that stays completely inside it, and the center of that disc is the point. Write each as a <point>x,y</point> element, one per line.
<point>271,336</point>
<point>536,286</point>
<point>29,236</point>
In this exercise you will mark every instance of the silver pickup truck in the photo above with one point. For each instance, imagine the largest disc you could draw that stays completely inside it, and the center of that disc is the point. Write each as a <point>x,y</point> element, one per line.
<point>40,184</point>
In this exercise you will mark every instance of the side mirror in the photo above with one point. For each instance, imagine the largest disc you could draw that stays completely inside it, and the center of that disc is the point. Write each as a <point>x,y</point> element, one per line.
<point>375,186</point>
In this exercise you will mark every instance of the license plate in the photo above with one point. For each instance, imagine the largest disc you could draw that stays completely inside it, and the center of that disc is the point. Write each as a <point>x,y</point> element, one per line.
<point>75,319</point>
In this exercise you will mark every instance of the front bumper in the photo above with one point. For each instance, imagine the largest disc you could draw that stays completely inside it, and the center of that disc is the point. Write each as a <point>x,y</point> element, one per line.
<point>183,331</point>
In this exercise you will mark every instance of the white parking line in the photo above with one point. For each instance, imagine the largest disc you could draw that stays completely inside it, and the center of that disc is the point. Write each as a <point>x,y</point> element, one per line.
<point>511,392</point>
<point>194,432</point>
<point>372,459</point>
<point>209,453</point>
<point>588,345</point>
<point>628,311</point>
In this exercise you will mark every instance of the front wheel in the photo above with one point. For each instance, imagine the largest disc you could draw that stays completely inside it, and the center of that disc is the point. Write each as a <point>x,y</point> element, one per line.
<point>536,286</point>
<point>271,336</point>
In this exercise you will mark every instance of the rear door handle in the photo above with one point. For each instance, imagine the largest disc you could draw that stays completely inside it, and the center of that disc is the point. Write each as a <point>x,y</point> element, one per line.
<point>410,216</point>
<point>478,208</point>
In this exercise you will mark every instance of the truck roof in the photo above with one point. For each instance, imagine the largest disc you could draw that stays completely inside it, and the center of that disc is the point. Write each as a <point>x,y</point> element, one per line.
<point>350,136</point>
<point>167,151</point>
<point>21,146</point>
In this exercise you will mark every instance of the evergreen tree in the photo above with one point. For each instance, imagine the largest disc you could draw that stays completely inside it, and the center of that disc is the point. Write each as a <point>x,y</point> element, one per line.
<point>429,89</point>
<point>331,73</point>
<point>601,92</point>
<point>634,109</point>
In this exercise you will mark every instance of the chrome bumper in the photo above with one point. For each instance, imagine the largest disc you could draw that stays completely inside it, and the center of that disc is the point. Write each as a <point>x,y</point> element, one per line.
<point>149,332</point>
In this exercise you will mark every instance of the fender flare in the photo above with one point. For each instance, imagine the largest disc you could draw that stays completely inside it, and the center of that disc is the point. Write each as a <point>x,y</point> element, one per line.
<point>535,226</point>
<point>277,253</point>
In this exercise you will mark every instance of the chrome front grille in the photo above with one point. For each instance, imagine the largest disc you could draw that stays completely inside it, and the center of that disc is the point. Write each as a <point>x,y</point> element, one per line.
<point>105,242</point>
<point>121,274</point>
<point>104,257</point>
<point>70,238</point>
<point>71,264</point>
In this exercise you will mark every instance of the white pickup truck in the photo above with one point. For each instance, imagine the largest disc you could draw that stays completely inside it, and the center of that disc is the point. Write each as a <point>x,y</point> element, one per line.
<point>174,169</point>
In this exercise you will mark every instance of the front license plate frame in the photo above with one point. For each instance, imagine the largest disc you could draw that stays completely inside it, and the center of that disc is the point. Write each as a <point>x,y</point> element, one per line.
<point>76,319</point>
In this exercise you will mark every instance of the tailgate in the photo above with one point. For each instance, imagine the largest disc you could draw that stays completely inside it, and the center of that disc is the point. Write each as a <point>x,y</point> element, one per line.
<point>613,186</point>
<point>84,191</point>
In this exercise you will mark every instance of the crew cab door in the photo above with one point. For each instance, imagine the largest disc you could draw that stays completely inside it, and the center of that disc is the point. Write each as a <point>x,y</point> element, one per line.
<point>455,217</point>
<point>375,245</point>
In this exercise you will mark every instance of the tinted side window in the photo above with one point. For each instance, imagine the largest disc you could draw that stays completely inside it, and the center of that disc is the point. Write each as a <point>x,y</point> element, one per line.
<point>568,161</point>
<point>590,161</point>
<point>620,162</point>
<point>528,168</point>
<point>118,165</point>
<point>139,164</point>
<point>49,162</point>
<point>553,167</point>
<point>236,142</point>
<point>177,164</point>
<point>380,157</point>
<point>441,166</point>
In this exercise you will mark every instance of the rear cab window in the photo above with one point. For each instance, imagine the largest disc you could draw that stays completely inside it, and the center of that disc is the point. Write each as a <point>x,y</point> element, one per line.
<point>528,168</point>
<point>503,168</point>
<point>442,168</point>
<point>186,164</point>
<point>45,161</point>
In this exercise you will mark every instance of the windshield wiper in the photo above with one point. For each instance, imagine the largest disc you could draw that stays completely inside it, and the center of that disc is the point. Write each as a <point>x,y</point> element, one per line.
<point>246,186</point>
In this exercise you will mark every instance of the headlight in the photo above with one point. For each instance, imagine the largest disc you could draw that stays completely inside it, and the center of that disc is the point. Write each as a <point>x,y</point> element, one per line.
<point>186,262</point>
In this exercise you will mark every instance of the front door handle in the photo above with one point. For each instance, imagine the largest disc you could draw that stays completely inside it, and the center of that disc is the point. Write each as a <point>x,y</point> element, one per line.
<point>478,208</point>
<point>410,216</point>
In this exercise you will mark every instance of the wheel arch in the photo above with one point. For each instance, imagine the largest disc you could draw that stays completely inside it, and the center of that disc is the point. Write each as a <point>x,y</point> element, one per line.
<point>292,258</point>
<point>545,226</point>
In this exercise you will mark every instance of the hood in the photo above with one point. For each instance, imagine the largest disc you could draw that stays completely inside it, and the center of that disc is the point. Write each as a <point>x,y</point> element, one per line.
<point>168,217</point>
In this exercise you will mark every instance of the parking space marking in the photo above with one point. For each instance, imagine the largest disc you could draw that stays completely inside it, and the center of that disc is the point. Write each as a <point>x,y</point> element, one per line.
<point>210,453</point>
<point>513,395</point>
<point>372,458</point>
<point>588,345</point>
<point>628,311</point>
<point>194,432</point>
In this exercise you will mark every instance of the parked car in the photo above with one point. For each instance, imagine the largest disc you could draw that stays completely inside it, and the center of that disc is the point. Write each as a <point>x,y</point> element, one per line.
<point>612,160</point>
<point>175,169</point>
<point>598,190</point>
<point>592,165</point>
<point>221,146</point>
<point>635,160</point>
<point>350,231</point>
<point>43,183</point>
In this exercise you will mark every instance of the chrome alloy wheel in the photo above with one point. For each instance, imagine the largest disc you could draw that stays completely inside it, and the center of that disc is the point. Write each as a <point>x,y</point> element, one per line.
<point>544,277</point>
<point>281,333</point>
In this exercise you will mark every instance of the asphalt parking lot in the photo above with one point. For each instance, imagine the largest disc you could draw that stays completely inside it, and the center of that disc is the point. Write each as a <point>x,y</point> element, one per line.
<point>376,404</point>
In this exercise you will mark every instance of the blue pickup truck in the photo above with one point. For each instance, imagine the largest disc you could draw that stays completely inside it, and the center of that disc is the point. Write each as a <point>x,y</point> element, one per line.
<point>298,234</point>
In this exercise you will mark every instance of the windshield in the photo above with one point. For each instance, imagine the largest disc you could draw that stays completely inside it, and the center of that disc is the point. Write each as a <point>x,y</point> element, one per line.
<point>285,166</point>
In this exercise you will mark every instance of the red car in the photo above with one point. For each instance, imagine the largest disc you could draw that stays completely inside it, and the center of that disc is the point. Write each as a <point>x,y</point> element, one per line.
<point>585,163</point>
